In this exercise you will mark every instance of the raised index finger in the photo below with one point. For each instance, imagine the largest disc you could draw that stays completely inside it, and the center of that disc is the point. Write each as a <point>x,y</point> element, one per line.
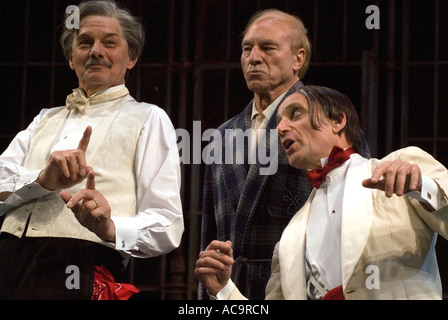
<point>84,142</point>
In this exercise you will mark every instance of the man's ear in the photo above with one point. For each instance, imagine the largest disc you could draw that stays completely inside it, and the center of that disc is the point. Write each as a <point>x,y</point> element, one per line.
<point>132,63</point>
<point>338,126</point>
<point>70,62</point>
<point>299,60</point>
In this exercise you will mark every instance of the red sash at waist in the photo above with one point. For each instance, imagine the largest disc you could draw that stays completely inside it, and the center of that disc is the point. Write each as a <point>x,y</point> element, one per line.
<point>105,287</point>
<point>334,294</point>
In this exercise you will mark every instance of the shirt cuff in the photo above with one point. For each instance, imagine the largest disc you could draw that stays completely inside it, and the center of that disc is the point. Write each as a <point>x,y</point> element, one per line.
<point>27,187</point>
<point>224,293</point>
<point>430,193</point>
<point>125,233</point>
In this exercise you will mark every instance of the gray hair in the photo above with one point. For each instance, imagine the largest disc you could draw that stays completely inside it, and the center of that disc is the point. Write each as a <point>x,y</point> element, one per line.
<point>132,27</point>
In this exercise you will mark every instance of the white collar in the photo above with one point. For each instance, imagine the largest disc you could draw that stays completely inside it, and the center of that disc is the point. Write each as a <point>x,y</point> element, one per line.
<point>269,111</point>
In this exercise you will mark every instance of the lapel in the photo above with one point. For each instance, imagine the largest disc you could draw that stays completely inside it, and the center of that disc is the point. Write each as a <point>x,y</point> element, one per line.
<point>356,222</point>
<point>247,179</point>
<point>234,175</point>
<point>249,197</point>
<point>357,213</point>
<point>292,254</point>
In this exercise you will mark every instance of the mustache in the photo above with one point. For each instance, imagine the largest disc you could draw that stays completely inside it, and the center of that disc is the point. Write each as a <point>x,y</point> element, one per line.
<point>97,62</point>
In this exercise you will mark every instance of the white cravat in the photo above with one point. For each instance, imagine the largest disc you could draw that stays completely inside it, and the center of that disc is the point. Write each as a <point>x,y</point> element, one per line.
<point>70,134</point>
<point>78,100</point>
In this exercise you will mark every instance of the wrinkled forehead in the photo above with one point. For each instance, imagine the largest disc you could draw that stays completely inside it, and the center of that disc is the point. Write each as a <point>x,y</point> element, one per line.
<point>296,101</point>
<point>296,98</point>
<point>100,25</point>
<point>267,27</point>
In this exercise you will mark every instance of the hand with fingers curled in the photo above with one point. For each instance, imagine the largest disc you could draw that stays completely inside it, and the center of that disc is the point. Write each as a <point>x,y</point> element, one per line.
<point>395,177</point>
<point>92,210</point>
<point>66,168</point>
<point>214,266</point>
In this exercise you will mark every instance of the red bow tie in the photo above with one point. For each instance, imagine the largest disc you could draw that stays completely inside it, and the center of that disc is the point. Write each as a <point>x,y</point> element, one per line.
<point>337,157</point>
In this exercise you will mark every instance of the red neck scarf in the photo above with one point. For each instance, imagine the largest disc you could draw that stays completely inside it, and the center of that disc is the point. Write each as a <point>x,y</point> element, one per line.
<point>337,157</point>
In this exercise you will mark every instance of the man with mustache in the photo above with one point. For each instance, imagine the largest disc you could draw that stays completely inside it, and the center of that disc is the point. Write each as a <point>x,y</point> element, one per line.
<point>369,227</point>
<point>239,203</point>
<point>91,183</point>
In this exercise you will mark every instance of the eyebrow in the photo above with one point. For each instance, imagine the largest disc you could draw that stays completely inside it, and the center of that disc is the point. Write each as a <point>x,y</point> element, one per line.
<point>269,42</point>
<point>261,42</point>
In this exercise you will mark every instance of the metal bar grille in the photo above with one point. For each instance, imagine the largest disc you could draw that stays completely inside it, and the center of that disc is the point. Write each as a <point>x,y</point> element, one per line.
<point>193,72</point>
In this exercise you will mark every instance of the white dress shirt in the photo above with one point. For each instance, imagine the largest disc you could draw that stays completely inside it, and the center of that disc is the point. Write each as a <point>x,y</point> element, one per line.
<point>259,121</point>
<point>158,225</point>
<point>323,232</point>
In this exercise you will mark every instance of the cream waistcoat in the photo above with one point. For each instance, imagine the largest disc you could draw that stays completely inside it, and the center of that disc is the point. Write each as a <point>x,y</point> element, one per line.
<point>111,153</point>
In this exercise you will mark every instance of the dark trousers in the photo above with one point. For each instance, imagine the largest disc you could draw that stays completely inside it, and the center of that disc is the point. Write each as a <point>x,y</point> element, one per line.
<point>51,268</point>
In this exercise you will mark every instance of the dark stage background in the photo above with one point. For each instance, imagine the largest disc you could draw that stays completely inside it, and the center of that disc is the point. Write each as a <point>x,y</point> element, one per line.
<point>397,77</point>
